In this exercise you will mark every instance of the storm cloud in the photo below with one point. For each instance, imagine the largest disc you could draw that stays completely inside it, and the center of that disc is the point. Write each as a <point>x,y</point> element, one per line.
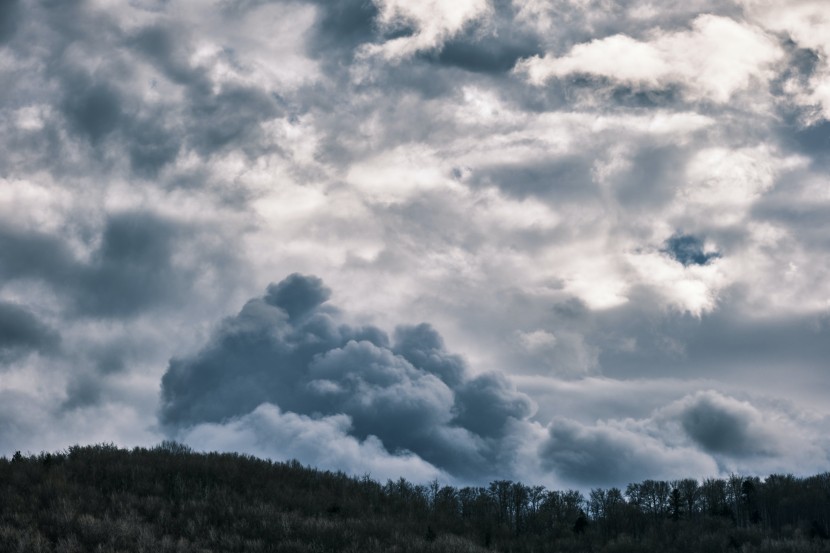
<point>288,349</point>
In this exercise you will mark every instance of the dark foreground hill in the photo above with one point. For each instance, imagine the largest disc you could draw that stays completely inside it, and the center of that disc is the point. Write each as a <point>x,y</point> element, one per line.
<point>165,499</point>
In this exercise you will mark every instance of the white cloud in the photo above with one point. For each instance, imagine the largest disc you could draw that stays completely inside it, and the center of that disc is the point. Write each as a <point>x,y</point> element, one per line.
<point>537,339</point>
<point>807,23</point>
<point>693,289</point>
<point>729,179</point>
<point>715,59</point>
<point>321,442</point>
<point>433,22</point>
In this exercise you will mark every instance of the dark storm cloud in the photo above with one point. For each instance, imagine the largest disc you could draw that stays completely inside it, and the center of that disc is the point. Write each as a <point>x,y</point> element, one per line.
<point>297,295</point>
<point>487,403</point>
<point>22,332</point>
<point>288,349</point>
<point>422,346</point>
<point>688,250</point>
<point>132,269</point>
<point>722,425</point>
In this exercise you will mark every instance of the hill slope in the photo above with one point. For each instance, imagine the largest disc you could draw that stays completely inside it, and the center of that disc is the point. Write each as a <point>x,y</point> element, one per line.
<point>166,499</point>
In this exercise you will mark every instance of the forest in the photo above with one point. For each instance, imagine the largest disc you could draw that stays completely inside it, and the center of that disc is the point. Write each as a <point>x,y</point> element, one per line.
<point>168,498</point>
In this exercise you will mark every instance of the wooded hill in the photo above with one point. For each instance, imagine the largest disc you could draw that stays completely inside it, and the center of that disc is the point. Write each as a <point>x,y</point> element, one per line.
<point>168,498</point>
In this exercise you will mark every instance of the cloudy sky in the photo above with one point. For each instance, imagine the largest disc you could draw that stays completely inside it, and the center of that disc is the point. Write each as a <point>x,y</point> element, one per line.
<point>572,242</point>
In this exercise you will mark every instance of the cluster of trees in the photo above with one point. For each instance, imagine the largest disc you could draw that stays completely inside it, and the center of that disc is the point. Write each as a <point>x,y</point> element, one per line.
<point>168,498</point>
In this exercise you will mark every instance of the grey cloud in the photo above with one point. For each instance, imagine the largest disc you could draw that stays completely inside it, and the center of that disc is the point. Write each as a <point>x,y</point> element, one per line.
<point>22,332</point>
<point>610,454</point>
<point>231,116</point>
<point>84,390</point>
<point>422,346</point>
<point>488,402</point>
<point>289,350</point>
<point>805,214</point>
<point>722,425</point>
<point>9,14</point>
<point>704,433</point>
<point>151,148</point>
<point>108,109</point>
<point>94,111</point>
<point>565,180</point>
<point>723,345</point>
<point>212,119</point>
<point>483,54</point>
<point>627,96</point>
<point>342,26</point>
<point>650,180</point>
<point>297,295</point>
<point>165,47</point>
<point>811,140</point>
<point>33,254</point>
<point>132,270</point>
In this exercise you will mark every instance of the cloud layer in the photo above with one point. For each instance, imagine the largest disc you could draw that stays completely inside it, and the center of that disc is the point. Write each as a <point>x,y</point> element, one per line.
<point>613,219</point>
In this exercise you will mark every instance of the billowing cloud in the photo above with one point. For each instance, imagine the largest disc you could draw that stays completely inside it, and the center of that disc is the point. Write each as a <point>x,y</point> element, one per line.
<point>289,349</point>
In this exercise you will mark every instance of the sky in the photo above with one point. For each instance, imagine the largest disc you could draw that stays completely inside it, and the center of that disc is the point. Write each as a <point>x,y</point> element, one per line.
<point>574,243</point>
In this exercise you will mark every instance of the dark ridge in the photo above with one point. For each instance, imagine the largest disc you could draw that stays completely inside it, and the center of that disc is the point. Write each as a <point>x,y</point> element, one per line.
<point>171,499</point>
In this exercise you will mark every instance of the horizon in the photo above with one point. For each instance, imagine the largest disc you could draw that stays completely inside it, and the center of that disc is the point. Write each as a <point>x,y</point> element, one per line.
<point>557,242</point>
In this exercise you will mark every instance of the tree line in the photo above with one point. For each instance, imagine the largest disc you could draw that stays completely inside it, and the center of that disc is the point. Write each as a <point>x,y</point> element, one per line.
<point>169,498</point>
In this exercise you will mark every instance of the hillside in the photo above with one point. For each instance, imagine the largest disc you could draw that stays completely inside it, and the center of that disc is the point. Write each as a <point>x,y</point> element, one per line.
<point>166,499</point>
